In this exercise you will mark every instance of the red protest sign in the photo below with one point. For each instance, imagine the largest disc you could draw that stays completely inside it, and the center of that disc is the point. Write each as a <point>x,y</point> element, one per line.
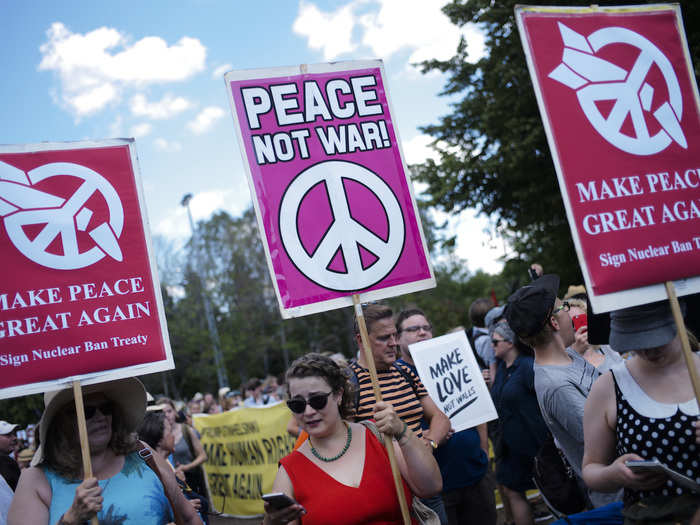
<point>618,98</point>
<point>79,296</point>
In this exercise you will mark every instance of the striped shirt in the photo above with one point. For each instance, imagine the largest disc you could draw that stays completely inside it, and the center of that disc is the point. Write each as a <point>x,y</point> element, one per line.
<point>395,390</point>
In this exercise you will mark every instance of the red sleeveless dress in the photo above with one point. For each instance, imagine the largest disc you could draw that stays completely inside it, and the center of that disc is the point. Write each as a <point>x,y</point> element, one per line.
<point>328,501</point>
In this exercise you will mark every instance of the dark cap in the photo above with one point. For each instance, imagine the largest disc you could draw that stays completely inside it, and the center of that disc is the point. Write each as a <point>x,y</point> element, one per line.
<point>642,327</point>
<point>529,307</point>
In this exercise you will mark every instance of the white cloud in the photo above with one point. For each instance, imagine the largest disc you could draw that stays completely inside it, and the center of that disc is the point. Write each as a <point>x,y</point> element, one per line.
<point>331,33</point>
<point>167,107</point>
<point>167,145</point>
<point>387,27</point>
<point>116,127</point>
<point>205,119</point>
<point>417,150</point>
<point>140,130</point>
<point>203,205</point>
<point>476,243</point>
<point>219,71</point>
<point>95,67</point>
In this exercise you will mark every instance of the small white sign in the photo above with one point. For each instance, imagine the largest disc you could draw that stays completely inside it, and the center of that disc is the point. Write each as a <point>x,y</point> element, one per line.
<point>448,369</point>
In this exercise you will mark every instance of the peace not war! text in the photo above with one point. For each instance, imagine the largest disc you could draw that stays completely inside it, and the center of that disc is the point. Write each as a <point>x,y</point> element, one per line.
<point>302,108</point>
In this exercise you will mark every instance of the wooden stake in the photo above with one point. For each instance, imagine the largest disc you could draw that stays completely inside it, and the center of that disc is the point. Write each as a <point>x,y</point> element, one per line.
<point>388,440</point>
<point>685,344</point>
<point>82,432</point>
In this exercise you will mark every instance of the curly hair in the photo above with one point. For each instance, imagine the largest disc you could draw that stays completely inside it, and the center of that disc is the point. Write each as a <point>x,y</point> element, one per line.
<point>62,447</point>
<point>317,365</point>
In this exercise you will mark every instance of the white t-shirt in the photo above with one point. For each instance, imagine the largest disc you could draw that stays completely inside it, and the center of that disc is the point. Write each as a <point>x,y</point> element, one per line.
<point>5,500</point>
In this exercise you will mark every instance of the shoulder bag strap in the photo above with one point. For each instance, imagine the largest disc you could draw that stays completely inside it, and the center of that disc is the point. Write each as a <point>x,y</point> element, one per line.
<point>372,427</point>
<point>147,456</point>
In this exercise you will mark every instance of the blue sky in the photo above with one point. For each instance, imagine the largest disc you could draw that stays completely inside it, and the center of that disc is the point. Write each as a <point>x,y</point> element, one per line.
<point>76,70</point>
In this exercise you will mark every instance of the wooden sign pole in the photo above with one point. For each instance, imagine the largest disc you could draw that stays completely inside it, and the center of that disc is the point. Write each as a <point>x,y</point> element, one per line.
<point>82,432</point>
<point>388,440</point>
<point>685,344</point>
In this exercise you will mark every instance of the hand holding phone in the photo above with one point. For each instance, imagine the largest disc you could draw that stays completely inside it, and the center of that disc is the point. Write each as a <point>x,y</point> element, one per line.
<point>278,500</point>
<point>579,321</point>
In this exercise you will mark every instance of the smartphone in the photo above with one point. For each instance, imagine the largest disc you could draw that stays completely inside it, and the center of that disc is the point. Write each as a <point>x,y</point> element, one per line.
<point>579,321</point>
<point>644,465</point>
<point>278,500</point>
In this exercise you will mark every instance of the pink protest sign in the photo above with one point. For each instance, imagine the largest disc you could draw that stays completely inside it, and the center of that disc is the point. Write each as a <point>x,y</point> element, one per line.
<point>619,102</point>
<point>79,294</point>
<point>334,204</point>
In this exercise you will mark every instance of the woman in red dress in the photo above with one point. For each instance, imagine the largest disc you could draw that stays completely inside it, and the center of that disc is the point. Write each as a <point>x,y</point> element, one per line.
<point>341,474</point>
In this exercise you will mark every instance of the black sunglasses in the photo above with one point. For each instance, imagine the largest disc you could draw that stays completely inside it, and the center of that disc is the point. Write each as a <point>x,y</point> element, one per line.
<point>106,409</point>
<point>316,401</point>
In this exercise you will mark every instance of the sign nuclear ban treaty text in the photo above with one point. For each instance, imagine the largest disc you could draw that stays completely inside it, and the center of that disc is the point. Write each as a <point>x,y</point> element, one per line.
<point>620,105</point>
<point>334,204</point>
<point>79,297</point>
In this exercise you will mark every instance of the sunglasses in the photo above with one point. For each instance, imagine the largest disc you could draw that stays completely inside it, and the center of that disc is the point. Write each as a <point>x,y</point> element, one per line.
<point>106,409</point>
<point>495,342</point>
<point>316,401</point>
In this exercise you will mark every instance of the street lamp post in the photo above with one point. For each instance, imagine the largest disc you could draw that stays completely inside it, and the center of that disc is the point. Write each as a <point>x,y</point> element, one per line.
<point>221,375</point>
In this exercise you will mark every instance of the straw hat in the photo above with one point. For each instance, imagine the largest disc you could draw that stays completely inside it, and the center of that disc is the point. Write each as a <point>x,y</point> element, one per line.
<point>128,394</point>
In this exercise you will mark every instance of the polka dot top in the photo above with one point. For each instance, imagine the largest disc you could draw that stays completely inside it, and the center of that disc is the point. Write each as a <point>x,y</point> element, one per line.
<point>655,430</point>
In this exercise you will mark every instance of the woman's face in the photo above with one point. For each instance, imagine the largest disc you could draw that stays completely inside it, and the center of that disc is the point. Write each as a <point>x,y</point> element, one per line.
<point>98,416</point>
<point>169,413</point>
<point>167,442</point>
<point>500,346</point>
<point>317,422</point>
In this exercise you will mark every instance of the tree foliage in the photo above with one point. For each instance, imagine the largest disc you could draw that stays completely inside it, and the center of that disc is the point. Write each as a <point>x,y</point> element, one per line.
<point>493,150</point>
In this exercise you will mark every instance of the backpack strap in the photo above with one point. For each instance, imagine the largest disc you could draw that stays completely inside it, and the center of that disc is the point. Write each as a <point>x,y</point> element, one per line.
<point>407,377</point>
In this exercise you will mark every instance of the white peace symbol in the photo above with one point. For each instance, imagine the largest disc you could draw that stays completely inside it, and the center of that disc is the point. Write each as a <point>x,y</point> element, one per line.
<point>632,95</point>
<point>345,232</point>
<point>60,219</point>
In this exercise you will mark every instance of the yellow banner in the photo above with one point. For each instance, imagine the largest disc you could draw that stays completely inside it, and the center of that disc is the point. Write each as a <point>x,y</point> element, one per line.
<point>243,448</point>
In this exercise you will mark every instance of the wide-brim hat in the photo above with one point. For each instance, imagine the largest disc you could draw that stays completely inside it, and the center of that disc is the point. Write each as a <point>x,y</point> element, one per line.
<point>128,394</point>
<point>642,327</point>
<point>529,307</point>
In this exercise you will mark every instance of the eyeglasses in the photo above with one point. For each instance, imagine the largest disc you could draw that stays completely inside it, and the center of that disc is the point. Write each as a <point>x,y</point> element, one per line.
<point>316,401</point>
<point>564,306</point>
<point>424,327</point>
<point>495,342</point>
<point>106,409</point>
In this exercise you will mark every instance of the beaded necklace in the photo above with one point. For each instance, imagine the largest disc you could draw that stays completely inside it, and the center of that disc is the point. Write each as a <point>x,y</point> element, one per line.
<point>340,454</point>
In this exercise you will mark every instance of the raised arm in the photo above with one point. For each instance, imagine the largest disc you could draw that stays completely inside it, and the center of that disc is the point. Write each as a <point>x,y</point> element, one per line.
<point>172,490</point>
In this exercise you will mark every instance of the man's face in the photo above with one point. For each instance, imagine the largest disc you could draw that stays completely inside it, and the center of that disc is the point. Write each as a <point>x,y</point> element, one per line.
<point>413,329</point>
<point>566,327</point>
<point>7,443</point>
<point>382,339</point>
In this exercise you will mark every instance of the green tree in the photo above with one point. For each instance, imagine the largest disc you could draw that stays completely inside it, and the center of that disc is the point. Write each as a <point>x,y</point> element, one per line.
<point>493,151</point>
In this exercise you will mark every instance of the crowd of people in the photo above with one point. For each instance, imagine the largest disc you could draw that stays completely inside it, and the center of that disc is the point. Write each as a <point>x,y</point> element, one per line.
<point>609,410</point>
